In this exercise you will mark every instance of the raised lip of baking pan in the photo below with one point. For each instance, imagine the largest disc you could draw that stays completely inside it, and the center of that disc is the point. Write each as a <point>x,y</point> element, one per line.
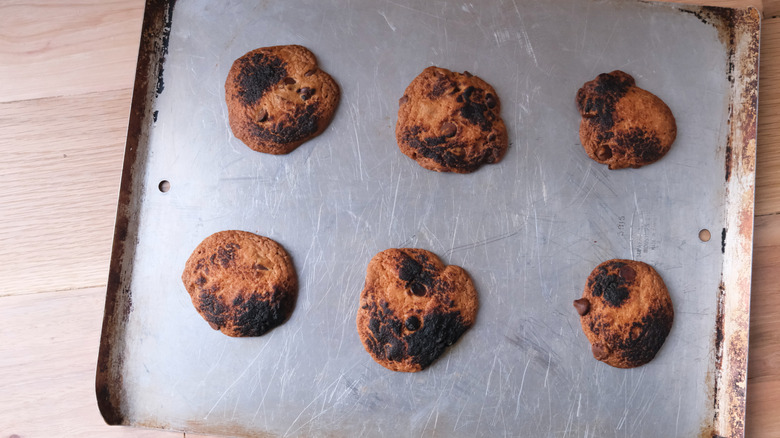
<point>740,30</point>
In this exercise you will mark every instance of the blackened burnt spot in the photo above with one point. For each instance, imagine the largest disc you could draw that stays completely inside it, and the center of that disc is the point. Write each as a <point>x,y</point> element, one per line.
<point>610,287</point>
<point>646,337</point>
<point>723,241</point>
<point>409,269</point>
<point>439,331</point>
<point>200,281</point>
<point>386,308</point>
<point>473,111</point>
<point>257,315</point>
<point>212,308</point>
<point>300,126</point>
<point>386,342</point>
<point>412,271</point>
<point>441,86</point>
<point>645,146</point>
<point>423,346</point>
<point>616,84</point>
<point>225,254</point>
<point>598,97</point>
<point>257,73</point>
<point>440,150</point>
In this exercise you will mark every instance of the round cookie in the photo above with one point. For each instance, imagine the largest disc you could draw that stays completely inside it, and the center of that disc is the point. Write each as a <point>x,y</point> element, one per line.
<point>413,307</point>
<point>277,98</point>
<point>626,313</point>
<point>242,284</point>
<point>623,125</point>
<point>450,122</point>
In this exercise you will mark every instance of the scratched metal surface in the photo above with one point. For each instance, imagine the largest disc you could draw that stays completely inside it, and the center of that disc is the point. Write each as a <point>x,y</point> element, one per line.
<point>528,230</point>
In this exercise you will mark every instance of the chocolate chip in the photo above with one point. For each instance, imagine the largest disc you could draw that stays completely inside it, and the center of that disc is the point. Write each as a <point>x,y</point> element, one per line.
<point>582,305</point>
<point>604,153</point>
<point>418,289</point>
<point>213,325</point>
<point>628,273</point>
<point>467,74</point>
<point>403,100</point>
<point>289,81</point>
<point>490,101</point>
<point>459,99</point>
<point>448,129</point>
<point>262,115</point>
<point>305,92</point>
<point>259,267</point>
<point>491,137</point>
<point>310,72</point>
<point>412,323</point>
<point>455,90</point>
<point>599,351</point>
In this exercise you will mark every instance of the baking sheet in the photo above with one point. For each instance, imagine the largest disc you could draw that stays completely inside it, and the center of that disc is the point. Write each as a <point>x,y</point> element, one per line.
<point>528,230</point>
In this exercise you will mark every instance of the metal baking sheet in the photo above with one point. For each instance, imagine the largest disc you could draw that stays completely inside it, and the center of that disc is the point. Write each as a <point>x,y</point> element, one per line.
<point>528,230</point>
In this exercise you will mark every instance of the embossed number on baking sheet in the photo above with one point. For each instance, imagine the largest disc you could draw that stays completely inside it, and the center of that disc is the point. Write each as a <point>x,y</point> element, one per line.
<point>621,226</point>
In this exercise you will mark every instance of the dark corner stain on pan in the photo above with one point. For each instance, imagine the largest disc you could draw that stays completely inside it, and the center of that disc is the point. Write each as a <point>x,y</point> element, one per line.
<point>718,345</point>
<point>723,20</point>
<point>719,325</point>
<point>729,150</point>
<point>723,241</point>
<point>163,48</point>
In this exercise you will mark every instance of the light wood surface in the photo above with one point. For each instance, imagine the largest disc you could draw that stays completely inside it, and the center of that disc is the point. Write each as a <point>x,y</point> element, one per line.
<point>66,71</point>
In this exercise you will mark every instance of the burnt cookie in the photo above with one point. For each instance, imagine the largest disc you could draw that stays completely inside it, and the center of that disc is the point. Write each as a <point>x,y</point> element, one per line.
<point>277,98</point>
<point>626,313</point>
<point>623,125</point>
<point>413,307</point>
<point>450,122</point>
<point>242,284</point>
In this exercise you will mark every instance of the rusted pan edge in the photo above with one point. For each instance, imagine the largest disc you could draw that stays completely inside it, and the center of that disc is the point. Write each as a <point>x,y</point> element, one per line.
<point>109,387</point>
<point>734,300</point>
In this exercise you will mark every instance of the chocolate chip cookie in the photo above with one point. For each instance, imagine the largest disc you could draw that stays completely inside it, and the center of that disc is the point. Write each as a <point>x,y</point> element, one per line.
<point>242,284</point>
<point>623,125</point>
<point>413,307</point>
<point>626,313</point>
<point>277,98</point>
<point>450,122</point>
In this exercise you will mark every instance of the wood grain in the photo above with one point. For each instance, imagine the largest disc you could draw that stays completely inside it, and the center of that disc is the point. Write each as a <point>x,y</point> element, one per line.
<point>48,353</point>
<point>767,152</point>
<point>60,48</point>
<point>764,335</point>
<point>758,4</point>
<point>763,392</point>
<point>60,173</point>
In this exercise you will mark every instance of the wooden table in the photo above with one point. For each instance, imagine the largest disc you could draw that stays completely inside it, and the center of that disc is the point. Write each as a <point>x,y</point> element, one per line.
<point>66,73</point>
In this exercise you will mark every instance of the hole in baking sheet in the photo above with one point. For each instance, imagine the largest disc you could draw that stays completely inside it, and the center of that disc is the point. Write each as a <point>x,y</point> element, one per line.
<point>704,235</point>
<point>164,186</point>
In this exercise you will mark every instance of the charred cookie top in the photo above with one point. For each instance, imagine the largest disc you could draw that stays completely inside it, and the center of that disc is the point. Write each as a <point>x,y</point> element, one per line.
<point>623,125</point>
<point>450,122</point>
<point>277,98</point>
<point>242,284</point>
<point>413,307</point>
<point>626,312</point>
